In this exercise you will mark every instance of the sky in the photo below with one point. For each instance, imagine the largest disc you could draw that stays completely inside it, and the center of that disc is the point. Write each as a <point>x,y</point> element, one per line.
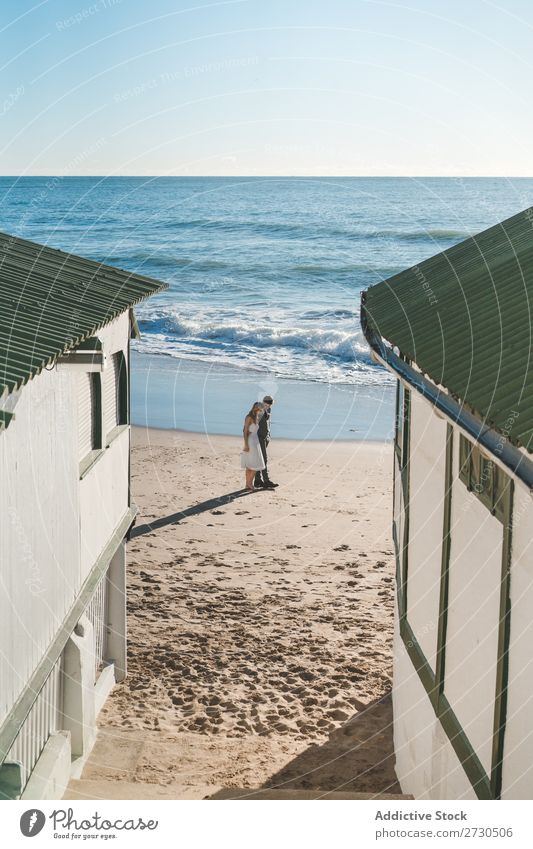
<point>266,87</point>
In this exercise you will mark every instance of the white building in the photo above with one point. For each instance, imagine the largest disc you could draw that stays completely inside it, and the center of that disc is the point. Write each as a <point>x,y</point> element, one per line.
<point>456,331</point>
<point>65,507</point>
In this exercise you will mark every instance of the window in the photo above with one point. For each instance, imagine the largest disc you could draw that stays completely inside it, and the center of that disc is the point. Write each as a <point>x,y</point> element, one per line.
<point>115,392</point>
<point>483,477</point>
<point>89,413</point>
<point>111,394</point>
<point>401,432</point>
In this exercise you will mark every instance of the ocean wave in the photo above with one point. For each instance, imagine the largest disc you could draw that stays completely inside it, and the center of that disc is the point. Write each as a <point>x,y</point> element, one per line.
<point>304,365</point>
<point>434,234</point>
<point>350,268</point>
<point>315,229</point>
<point>345,345</point>
<point>157,258</point>
<point>329,313</point>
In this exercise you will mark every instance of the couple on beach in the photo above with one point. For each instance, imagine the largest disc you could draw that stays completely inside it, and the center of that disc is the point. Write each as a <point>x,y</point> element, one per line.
<point>256,433</point>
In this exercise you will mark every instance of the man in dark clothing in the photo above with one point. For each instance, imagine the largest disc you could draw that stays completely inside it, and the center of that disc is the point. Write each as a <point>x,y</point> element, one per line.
<point>263,432</point>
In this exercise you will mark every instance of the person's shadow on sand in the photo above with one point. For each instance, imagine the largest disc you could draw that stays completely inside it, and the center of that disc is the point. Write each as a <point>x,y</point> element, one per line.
<point>175,518</point>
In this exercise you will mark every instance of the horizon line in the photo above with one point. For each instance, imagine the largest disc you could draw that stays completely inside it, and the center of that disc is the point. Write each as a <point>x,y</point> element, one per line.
<point>280,176</point>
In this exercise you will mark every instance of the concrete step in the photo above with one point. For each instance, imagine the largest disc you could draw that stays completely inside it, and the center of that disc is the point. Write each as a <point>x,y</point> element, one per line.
<point>244,793</point>
<point>86,788</point>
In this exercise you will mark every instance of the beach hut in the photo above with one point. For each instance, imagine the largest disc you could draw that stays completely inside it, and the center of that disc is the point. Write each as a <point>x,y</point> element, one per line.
<point>456,331</point>
<point>65,506</point>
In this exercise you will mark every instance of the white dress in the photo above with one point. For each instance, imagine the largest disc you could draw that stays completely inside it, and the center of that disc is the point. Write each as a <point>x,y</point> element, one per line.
<point>253,459</point>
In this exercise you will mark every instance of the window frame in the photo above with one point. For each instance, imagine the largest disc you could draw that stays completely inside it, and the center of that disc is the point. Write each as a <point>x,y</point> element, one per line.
<point>401,425</point>
<point>483,477</point>
<point>97,449</point>
<point>121,397</point>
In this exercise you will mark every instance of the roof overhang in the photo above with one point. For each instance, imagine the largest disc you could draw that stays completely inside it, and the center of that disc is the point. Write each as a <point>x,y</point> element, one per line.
<point>7,408</point>
<point>465,318</point>
<point>52,302</point>
<point>87,356</point>
<point>506,455</point>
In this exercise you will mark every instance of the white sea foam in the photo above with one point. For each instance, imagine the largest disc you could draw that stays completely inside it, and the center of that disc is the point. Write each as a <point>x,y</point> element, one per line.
<point>318,345</point>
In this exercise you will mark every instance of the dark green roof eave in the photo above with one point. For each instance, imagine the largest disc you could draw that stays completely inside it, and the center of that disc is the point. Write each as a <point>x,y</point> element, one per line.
<point>51,301</point>
<point>464,317</point>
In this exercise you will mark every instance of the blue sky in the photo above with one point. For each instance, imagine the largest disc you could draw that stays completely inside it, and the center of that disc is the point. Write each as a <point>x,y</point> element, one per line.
<point>333,87</point>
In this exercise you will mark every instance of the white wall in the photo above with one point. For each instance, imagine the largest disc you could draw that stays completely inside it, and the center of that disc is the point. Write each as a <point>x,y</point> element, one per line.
<point>104,488</point>
<point>103,500</point>
<point>39,533</point>
<point>426,763</point>
<point>518,744</point>
<point>40,521</point>
<point>473,615</point>
<point>426,513</point>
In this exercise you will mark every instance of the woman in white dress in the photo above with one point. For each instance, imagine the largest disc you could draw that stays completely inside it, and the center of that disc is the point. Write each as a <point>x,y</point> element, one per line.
<point>252,456</point>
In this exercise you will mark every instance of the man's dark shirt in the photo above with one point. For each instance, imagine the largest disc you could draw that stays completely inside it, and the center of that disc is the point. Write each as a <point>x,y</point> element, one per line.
<point>263,431</point>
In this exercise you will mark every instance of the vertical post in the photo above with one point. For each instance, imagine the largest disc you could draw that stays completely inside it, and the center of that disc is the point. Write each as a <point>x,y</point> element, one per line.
<point>405,474</point>
<point>133,330</point>
<point>504,636</point>
<point>445,570</point>
<point>116,622</point>
<point>78,690</point>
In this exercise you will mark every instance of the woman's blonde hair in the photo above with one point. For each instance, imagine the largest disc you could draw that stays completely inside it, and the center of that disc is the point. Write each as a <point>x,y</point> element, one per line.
<point>257,406</point>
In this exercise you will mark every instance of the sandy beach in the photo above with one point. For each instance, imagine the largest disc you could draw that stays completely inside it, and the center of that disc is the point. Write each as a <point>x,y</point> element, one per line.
<point>260,624</point>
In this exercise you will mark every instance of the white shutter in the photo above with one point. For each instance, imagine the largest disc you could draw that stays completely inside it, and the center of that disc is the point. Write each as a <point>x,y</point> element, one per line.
<point>85,414</point>
<point>111,394</point>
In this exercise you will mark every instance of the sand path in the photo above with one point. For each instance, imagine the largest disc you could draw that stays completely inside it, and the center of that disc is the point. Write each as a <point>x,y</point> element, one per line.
<point>260,625</point>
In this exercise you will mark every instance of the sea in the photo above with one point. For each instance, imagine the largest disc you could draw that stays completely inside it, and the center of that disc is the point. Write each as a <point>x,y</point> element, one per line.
<point>265,276</point>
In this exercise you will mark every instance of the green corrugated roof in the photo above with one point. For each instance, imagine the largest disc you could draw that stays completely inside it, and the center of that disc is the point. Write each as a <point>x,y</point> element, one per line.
<point>50,301</point>
<point>464,317</point>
